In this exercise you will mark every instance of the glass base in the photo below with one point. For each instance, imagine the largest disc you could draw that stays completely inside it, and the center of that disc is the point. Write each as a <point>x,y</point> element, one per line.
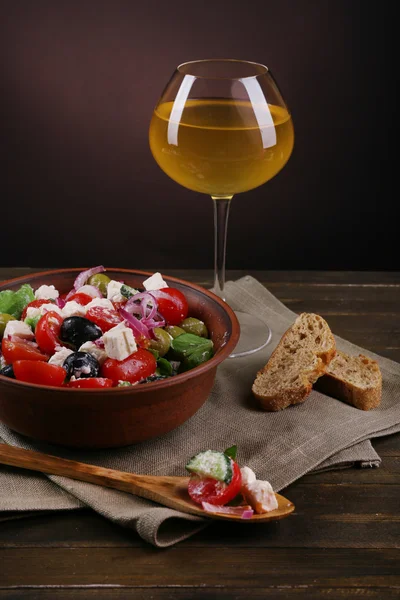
<point>254,335</point>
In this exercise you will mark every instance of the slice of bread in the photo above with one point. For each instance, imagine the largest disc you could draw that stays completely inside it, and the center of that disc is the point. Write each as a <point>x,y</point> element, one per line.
<point>356,380</point>
<point>300,358</point>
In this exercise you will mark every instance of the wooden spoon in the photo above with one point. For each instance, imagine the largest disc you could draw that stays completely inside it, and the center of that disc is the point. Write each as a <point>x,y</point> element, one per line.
<point>169,491</point>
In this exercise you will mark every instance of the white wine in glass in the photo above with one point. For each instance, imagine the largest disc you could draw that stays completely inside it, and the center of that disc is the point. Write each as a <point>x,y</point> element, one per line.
<point>221,127</point>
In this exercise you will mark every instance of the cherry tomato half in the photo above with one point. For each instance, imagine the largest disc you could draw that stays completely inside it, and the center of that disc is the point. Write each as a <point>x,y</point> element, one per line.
<point>137,366</point>
<point>13,351</point>
<point>91,383</point>
<point>118,305</point>
<point>210,490</point>
<point>33,371</point>
<point>105,318</point>
<point>80,298</point>
<point>34,304</point>
<point>172,305</point>
<point>47,332</point>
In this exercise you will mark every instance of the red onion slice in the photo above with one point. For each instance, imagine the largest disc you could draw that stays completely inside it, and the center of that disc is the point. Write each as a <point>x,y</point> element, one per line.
<point>146,310</point>
<point>142,309</point>
<point>84,276</point>
<point>247,514</point>
<point>90,290</point>
<point>138,328</point>
<point>244,512</point>
<point>134,309</point>
<point>60,302</point>
<point>148,314</point>
<point>151,323</point>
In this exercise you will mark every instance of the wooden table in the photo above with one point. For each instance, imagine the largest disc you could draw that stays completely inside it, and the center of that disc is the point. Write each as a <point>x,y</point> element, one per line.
<point>342,541</point>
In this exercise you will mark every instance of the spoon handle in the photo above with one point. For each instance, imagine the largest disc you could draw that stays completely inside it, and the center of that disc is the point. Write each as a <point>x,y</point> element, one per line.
<point>168,491</point>
<point>140,485</point>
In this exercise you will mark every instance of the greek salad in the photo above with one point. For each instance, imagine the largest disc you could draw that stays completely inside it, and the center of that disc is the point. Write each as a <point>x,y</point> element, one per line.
<point>221,486</point>
<point>100,334</point>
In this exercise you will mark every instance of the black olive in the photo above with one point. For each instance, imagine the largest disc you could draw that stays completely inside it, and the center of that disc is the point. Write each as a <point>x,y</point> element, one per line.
<point>7,371</point>
<point>81,364</point>
<point>78,330</point>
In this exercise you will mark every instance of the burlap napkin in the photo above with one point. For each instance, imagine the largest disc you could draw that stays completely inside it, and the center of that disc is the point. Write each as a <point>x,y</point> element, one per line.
<point>322,433</point>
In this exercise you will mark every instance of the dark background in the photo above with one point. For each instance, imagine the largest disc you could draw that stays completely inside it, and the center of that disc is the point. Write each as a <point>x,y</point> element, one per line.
<point>79,187</point>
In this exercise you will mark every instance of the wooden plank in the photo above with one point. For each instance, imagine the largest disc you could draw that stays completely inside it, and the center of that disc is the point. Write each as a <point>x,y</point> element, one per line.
<point>375,326</point>
<point>11,272</point>
<point>388,445</point>
<point>280,592</point>
<point>219,566</point>
<point>333,515</point>
<point>81,528</point>
<point>340,301</point>
<point>347,279</point>
<point>327,516</point>
<point>329,298</point>
<point>387,473</point>
<point>298,278</point>
<point>391,353</point>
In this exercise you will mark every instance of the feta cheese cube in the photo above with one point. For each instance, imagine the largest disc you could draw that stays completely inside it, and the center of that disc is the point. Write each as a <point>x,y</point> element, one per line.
<point>20,329</point>
<point>259,494</point>
<point>263,498</point>
<point>45,292</point>
<point>114,291</point>
<point>45,308</point>
<point>33,311</point>
<point>73,309</point>
<point>119,342</point>
<point>155,282</point>
<point>94,350</point>
<point>59,357</point>
<point>102,302</point>
<point>248,476</point>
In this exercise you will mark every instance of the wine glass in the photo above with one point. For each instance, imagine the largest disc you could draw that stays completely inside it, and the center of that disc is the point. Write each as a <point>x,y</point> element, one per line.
<point>221,127</point>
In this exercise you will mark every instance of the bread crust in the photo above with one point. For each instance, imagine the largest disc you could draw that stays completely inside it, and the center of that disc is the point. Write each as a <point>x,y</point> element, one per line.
<point>275,403</point>
<point>334,385</point>
<point>319,360</point>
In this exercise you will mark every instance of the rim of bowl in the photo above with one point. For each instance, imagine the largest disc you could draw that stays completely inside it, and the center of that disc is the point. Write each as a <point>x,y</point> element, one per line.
<point>220,355</point>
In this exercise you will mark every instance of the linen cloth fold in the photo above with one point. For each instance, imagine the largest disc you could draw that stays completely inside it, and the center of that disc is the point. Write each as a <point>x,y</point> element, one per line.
<point>322,433</point>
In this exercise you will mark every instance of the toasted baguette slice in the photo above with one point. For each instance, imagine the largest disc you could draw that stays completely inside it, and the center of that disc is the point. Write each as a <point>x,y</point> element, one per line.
<point>356,380</point>
<point>300,358</point>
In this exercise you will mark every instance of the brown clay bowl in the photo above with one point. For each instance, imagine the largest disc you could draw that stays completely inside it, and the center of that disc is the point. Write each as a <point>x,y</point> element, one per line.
<point>118,417</point>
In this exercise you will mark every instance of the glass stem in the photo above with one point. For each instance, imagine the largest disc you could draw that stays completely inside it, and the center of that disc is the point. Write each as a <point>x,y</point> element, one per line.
<point>221,214</point>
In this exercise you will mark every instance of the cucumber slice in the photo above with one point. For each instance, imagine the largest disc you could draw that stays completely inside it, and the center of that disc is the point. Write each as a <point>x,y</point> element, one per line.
<point>211,464</point>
